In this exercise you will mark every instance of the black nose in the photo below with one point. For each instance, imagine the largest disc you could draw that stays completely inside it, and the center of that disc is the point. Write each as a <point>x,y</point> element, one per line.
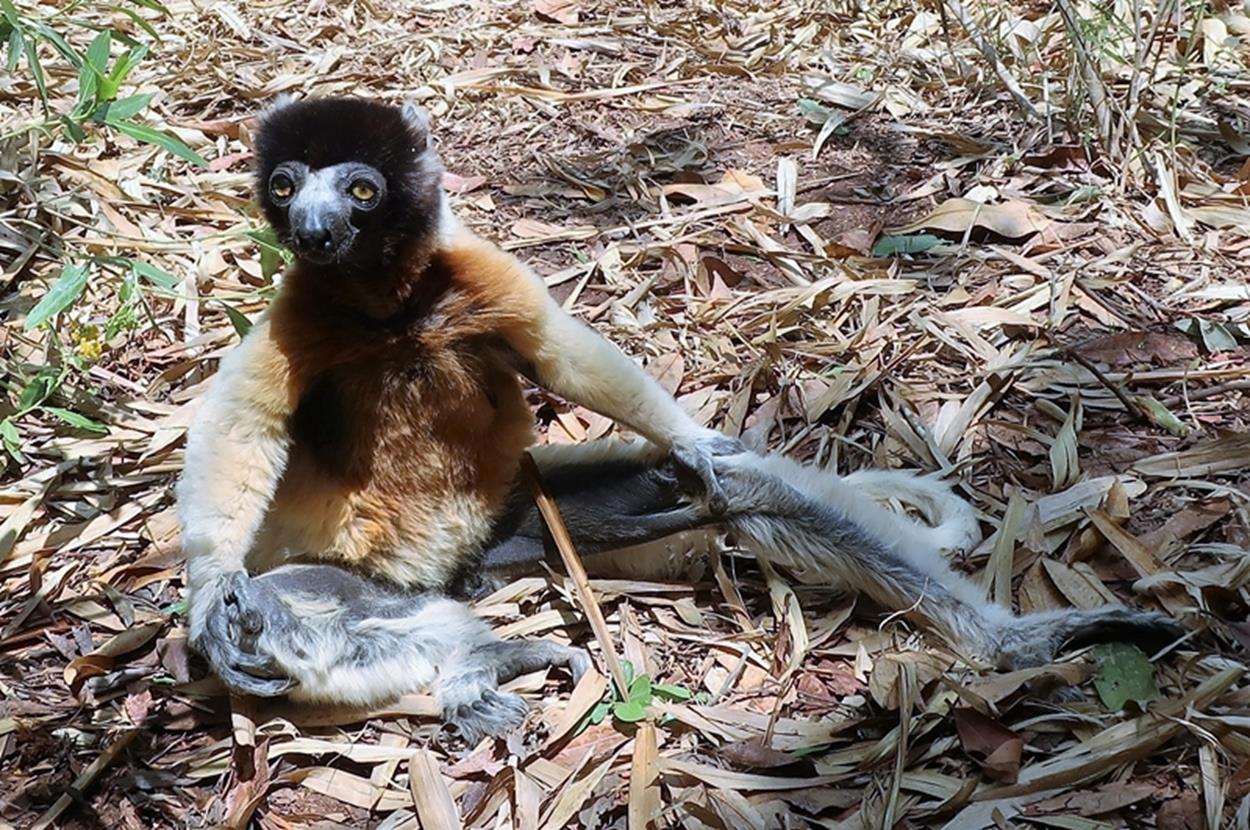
<point>313,239</point>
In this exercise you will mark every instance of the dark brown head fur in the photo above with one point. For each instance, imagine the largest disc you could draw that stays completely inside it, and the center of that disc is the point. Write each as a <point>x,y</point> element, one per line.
<point>320,133</point>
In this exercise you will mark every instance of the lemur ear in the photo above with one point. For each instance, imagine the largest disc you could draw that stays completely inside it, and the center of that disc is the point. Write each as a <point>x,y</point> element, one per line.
<point>418,120</point>
<point>280,102</point>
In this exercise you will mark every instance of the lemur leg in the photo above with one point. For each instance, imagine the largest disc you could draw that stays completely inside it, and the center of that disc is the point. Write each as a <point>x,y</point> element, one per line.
<point>611,494</point>
<point>953,523</point>
<point>513,658</point>
<point>336,636</point>
<point>827,531</point>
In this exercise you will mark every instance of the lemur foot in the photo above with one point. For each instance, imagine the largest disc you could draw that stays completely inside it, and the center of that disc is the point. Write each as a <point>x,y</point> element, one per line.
<point>512,658</point>
<point>492,714</point>
<point>238,609</point>
<point>579,663</point>
<point>696,465</point>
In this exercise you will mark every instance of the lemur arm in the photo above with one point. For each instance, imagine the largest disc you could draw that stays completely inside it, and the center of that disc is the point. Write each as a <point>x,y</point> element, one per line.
<point>236,452</point>
<point>573,360</point>
<point>568,357</point>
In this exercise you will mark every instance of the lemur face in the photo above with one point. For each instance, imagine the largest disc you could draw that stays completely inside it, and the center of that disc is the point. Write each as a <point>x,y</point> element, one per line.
<point>326,208</point>
<point>347,182</point>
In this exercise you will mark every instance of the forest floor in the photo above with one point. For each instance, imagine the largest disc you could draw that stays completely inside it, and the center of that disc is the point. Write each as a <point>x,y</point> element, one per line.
<point>832,231</point>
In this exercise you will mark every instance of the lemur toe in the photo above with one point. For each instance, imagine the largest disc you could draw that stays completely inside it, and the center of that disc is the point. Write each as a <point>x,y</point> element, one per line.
<point>579,664</point>
<point>492,715</point>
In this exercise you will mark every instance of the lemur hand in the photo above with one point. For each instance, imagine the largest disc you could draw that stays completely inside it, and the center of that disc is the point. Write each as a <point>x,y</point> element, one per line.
<point>695,457</point>
<point>227,618</point>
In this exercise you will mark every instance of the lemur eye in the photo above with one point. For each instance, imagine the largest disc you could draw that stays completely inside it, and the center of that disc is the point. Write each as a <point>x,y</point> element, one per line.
<point>363,191</point>
<point>281,186</point>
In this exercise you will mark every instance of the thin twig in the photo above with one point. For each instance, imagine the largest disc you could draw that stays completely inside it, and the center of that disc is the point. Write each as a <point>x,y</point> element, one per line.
<point>577,572</point>
<point>991,54</point>
<point>85,779</point>
<point>1129,405</point>
<point>1207,392</point>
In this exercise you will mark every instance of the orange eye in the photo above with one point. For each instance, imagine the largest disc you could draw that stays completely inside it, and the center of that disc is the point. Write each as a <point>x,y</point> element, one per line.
<point>282,187</point>
<point>364,191</point>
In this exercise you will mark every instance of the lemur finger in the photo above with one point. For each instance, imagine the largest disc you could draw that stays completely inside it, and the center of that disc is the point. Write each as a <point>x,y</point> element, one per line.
<point>253,662</point>
<point>232,665</point>
<point>220,644</point>
<point>695,470</point>
<point>246,604</point>
<point>257,686</point>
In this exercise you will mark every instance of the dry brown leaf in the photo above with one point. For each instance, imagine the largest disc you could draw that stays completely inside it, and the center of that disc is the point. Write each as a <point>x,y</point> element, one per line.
<point>752,754</point>
<point>102,659</point>
<point>1131,347</point>
<point>1182,813</point>
<point>726,780</point>
<point>573,795</point>
<point>883,683</point>
<point>558,11</point>
<point>1225,454</point>
<point>998,687</point>
<point>1096,802</point>
<point>434,805</point>
<point>993,746</point>
<point>1012,219</point>
<point>644,790</point>
<point>588,692</point>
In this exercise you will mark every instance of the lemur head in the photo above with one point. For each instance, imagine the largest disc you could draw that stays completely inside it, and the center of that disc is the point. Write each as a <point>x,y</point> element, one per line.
<point>347,181</point>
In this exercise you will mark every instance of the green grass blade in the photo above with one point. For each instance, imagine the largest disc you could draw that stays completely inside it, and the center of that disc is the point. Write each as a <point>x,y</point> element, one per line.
<point>67,289</point>
<point>162,140</point>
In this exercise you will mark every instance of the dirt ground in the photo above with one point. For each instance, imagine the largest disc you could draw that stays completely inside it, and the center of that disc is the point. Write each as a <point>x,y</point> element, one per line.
<point>830,229</point>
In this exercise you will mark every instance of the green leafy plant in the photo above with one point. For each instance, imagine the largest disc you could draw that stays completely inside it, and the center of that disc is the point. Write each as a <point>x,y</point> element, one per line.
<point>72,281</point>
<point>914,244</point>
<point>34,396</point>
<point>1124,673</point>
<point>87,341</point>
<point>101,77</point>
<point>635,705</point>
<point>272,253</point>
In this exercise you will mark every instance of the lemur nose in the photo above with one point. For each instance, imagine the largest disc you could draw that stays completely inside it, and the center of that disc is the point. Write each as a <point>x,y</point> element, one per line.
<point>312,239</point>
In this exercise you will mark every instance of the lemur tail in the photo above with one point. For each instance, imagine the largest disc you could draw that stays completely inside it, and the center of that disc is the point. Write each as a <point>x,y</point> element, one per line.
<point>832,529</point>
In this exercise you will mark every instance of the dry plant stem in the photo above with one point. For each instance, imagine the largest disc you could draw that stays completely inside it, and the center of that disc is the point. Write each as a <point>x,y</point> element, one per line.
<point>577,572</point>
<point>1208,392</point>
<point>1089,75</point>
<point>1116,129</point>
<point>85,779</point>
<point>1143,49</point>
<point>991,55</point>
<point>1127,402</point>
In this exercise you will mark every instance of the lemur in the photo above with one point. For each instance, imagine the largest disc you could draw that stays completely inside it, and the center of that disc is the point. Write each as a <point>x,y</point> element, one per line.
<point>374,416</point>
<point>362,444</point>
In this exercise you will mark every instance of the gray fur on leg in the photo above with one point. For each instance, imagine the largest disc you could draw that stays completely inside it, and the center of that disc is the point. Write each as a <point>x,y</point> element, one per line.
<point>344,638</point>
<point>1035,639</point>
<point>829,531</point>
